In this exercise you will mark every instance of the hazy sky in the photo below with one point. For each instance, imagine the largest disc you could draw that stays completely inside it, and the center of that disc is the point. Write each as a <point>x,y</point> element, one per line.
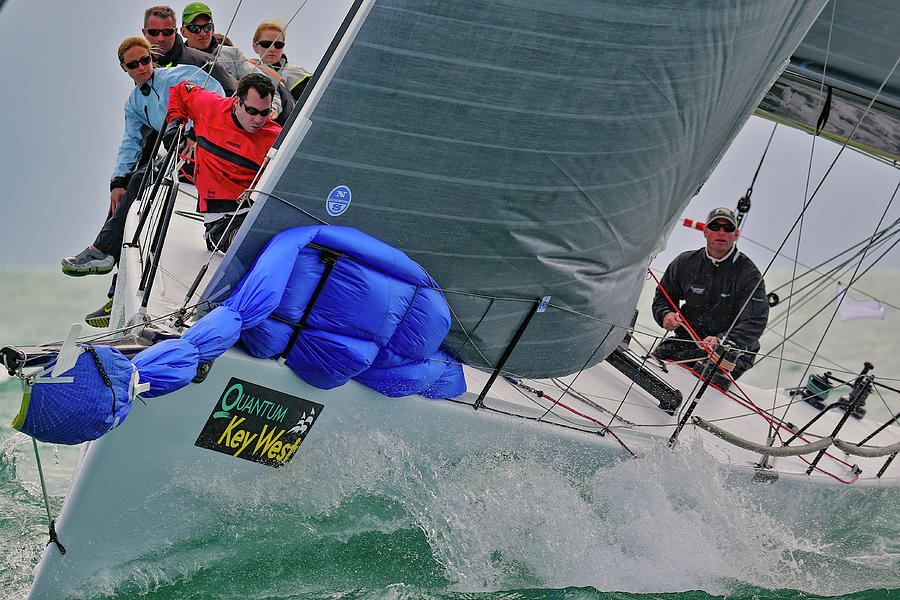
<point>62,121</point>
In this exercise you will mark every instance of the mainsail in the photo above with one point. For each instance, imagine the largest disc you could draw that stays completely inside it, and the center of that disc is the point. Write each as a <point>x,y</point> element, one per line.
<point>848,55</point>
<point>519,149</point>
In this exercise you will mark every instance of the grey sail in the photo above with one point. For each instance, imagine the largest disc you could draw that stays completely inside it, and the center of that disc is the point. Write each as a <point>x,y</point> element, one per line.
<point>855,44</point>
<point>518,149</point>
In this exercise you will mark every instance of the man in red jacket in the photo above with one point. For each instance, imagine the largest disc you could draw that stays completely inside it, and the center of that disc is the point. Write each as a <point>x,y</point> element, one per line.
<point>233,137</point>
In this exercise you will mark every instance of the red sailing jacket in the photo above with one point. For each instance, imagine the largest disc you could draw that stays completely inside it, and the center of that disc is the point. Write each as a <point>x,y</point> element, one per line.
<point>228,156</point>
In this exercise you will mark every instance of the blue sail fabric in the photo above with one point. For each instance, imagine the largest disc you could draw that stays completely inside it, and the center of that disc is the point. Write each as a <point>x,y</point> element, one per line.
<point>377,317</point>
<point>96,399</point>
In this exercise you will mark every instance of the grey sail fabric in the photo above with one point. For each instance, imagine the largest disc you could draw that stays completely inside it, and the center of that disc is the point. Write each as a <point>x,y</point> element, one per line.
<point>856,52</point>
<point>518,149</point>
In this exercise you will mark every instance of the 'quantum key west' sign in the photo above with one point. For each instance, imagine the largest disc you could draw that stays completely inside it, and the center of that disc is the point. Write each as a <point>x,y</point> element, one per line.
<point>258,424</point>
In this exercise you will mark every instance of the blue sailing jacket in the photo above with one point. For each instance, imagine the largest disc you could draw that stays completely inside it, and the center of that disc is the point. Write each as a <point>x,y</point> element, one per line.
<point>150,110</point>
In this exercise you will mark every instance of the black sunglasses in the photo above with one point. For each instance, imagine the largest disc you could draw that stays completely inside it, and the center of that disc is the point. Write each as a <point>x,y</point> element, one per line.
<point>267,43</point>
<point>133,64</point>
<point>728,227</point>
<point>156,32</point>
<point>198,28</point>
<point>255,111</point>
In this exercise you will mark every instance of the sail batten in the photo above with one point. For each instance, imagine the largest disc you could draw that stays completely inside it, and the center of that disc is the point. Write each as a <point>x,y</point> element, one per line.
<point>523,149</point>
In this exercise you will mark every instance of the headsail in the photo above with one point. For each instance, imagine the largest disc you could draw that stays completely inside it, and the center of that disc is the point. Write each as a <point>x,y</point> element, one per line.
<point>518,149</point>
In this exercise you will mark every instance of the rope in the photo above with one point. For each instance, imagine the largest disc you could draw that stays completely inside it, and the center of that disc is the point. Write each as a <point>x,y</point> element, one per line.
<point>867,452</point>
<point>54,539</point>
<point>605,427</point>
<point>762,448</point>
<point>817,446</point>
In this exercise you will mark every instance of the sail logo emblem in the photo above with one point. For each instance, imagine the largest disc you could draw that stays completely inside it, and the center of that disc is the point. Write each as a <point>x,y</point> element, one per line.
<point>338,201</point>
<point>258,424</point>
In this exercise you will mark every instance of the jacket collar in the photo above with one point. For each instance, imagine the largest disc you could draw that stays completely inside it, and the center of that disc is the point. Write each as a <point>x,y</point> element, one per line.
<point>733,254</point>
<point>173,56</point>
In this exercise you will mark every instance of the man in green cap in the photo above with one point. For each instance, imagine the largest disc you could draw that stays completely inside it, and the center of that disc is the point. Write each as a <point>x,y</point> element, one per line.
<point>199,31</point>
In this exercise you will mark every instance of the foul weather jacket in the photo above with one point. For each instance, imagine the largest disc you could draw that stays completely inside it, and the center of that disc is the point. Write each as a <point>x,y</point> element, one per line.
<point>227,155</point>
<point>710,294</point>
<point>147,106</point>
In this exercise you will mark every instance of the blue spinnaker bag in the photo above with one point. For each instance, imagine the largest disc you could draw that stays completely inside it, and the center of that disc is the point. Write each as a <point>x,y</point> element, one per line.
<point>83,403</point>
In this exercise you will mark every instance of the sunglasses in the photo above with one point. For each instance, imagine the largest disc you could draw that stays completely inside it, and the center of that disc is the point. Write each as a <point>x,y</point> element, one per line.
<point>728,227</point>
<point>198,28</point>
<point>156,32</point>
<point>267,43</point>
<point>133,64</point>
<point>255,111</point>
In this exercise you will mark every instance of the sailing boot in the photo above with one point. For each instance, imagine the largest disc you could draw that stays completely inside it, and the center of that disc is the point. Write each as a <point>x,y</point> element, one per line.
<point>100,317</point>
<point>88,262</point>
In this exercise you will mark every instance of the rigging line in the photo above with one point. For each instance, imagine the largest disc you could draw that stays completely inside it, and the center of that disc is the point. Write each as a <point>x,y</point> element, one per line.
<point>771,435</point>
<point>883,401</point>
<point>105,336</point>
<point>813,295</point>
<point>219,48</point>
<point>532,395</point>
<point>762,158</point>
<point>886,232</point>
<point>832,276</point>
<point>818,187</point>
<point>820,285</point>
<point>852,279</point>
<point>586,363</point>
<point>821,310</point>
<point>832,366</point>
<point>489,364</point>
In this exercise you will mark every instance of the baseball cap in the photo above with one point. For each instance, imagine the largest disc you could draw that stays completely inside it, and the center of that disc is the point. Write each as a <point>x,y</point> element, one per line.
<point>721,213</point>
<point>194,10</point>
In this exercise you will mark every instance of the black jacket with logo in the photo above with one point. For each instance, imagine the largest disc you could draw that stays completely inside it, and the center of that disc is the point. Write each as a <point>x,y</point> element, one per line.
<point>710,294</point>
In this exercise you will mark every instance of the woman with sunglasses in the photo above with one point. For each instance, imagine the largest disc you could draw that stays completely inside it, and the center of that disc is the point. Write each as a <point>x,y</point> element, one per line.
<point>268,43</point>
<point>145,110</point>
<point>712,288</point>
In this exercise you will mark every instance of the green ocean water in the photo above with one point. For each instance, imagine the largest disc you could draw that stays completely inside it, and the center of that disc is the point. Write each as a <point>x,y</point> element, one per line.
<point>382,522</point>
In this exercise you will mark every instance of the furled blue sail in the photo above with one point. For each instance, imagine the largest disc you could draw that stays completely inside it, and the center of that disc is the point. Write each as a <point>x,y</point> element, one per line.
<point>335,302</point>
<point>521,149</point>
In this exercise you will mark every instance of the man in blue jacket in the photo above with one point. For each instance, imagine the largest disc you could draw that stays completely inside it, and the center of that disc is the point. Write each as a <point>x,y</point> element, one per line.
<point>145,107</point>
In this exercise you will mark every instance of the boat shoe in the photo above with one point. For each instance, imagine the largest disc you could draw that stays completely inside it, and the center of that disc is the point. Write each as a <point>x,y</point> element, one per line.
<point>100,317</point>
<point>87,262</point>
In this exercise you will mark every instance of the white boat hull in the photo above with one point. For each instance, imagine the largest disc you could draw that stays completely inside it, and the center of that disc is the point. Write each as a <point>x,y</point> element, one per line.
<point>146,486</point>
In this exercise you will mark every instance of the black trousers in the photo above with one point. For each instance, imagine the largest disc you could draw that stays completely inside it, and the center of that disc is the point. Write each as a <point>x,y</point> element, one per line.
<point>109,240</point>
<point>221,232</point>
<point>678,349</point>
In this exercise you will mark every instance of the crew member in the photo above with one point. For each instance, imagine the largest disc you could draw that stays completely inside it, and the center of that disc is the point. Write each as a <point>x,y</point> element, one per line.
<point>711,286</point>
<point>161,30</point>
<point>233,137</point>
<point>145,109</point>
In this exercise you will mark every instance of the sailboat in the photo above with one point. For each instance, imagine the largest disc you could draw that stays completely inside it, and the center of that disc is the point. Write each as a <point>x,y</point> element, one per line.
<point>530,158</point>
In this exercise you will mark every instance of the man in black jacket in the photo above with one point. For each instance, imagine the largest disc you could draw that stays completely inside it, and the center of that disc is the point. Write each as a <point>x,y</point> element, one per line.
<point>160,30</point>
<point>711,287</point>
